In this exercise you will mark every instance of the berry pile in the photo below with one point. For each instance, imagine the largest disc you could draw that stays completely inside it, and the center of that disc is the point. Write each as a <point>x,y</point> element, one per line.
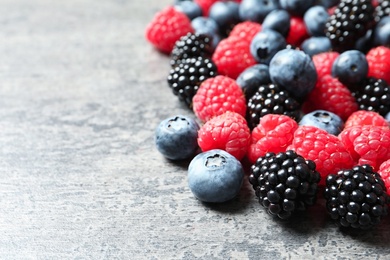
<point>298,90</point>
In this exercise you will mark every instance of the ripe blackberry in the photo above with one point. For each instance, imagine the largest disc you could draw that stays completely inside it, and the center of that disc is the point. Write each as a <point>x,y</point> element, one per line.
<point>190,46</point>
<point>349,22</point>
<point>185,78</point>
<point>374,95</point>
<point>271,99</point>
<point>356,197</point>
<point>382,9</point>
<point>284,182</point>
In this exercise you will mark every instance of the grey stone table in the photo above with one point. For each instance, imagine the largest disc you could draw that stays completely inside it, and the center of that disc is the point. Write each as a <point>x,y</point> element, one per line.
<point>81,93</point>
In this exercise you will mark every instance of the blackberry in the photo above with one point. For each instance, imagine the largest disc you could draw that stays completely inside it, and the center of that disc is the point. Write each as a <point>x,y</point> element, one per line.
<point>271,99</point>
<point>190,46</point>
<point>185,78</point>
<point>356,197</point>
<point>284,182</point>
<point>374,95</point>
<point>382,9</point>
<point>349,22</point>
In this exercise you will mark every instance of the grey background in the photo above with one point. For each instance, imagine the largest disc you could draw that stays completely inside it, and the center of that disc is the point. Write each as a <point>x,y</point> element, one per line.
<point>81,93</point>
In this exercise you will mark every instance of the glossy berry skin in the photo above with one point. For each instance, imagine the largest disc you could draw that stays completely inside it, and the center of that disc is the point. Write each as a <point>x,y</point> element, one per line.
<point>189,8</point>
<point>356,197</point>
<point>215,176</point>
<point>293,70</point>
<point>350,67</point>
<point>253,77</point>
<point>225,14</point>
<point>266,44</point>
<point>256,10</point>
<point>325,120</point>
<point>381,35</point>
<point>315,19</point>
<point>176,137</point>
<point>296,7</point>
<point>277,20</point>
<point>316,45</point>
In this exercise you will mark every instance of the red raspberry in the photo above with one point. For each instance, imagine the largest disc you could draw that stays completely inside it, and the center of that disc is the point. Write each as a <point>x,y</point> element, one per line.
<point>331,95</point>
<point>384,172</point>
<point>324,62</point>
<point>273,134</point>
<point>298,32</point>
<point>246,30</point>
<point>326,150</point>
<point>379,63</point>
<point>166,27</point>
<point>232,56</point>
<point>367,144</point>
<point>363,117</point>
<point>217,95</point>
<point>228,132</point>
<point>205,5</point>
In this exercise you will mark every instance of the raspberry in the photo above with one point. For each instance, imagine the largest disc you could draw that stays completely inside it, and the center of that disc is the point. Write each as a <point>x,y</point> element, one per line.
<point>232,56</point>
<point>326,150</point>
<point>323,62</point>
<point>363,117</point>
<point>228,132</point>
<point>298,32</point>
<point>166,27</point>
<point>273,134</point>
<point>205,5</point>
<point>367,144</point>
<point>246,30</point>
<point>384,172</point>
<point>379,63</point>
<point>217,95</point>
<point>331,95</point>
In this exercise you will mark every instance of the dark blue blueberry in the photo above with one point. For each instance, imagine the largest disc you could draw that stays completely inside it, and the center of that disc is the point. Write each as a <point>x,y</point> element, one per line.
<point>364,44</point>
<point>215,176</point>
<point>189,8</point>
<point>256,10</point>
<point>350,67</point>
<point>206,25</point>
<point>277,20</point>
<point>250,79</point>
<point>387,117</point>
<point>382,32</point>
<point>328,3</point>
<point>324,120</point>
<point>296,7</point>
<point>225,14</point>
<point>265,44</point>
<point>315,45</point>
<point>294,71</point>
<point>315,19</point>
<point>176,137</point>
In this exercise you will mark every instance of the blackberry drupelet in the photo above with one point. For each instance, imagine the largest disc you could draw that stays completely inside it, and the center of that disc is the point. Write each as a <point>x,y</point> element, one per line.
<point>349,22</point>
<point>271,99</point>
<point>382,9</point>
<point>374,95</point>
<point>356,197</point>
<point>185,78</point>
<point>190,46</point>
<point>284,182</point>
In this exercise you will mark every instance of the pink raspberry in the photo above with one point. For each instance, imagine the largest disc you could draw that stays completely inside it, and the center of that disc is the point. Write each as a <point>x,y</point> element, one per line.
<point>228,132</point>
<point>364,117</point>
<point>324,62</point>
<point>384,172</point>
<point>379,63</point>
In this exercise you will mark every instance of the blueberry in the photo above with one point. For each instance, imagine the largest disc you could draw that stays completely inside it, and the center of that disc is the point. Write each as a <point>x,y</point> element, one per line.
<point>215,176</point>
<point>315,19</point>
<point>265,44</point>
<point>350,67</point>
<point>256,10</point>
<point>277,20</point>
<point>225,14</point>
<point>364,44</point>
<point>328,3</point>
<point>251,78</point>
<point>176,137</point>
<point>206,25</point>
<point>296,7</point>
<point>382,32</point>
<point>325,120</point>
<point>294,71</point>
<point>189,8</point>
<point>315,45</point>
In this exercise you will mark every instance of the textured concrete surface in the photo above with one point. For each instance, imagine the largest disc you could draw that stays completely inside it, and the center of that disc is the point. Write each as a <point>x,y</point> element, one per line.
<point>81,93</point>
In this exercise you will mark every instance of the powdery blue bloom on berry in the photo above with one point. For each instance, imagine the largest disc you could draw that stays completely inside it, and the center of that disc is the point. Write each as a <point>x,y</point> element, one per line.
<point>325,120</point>
<point>316,45</point>
<point>266,44</point>
<point>256,10</point>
